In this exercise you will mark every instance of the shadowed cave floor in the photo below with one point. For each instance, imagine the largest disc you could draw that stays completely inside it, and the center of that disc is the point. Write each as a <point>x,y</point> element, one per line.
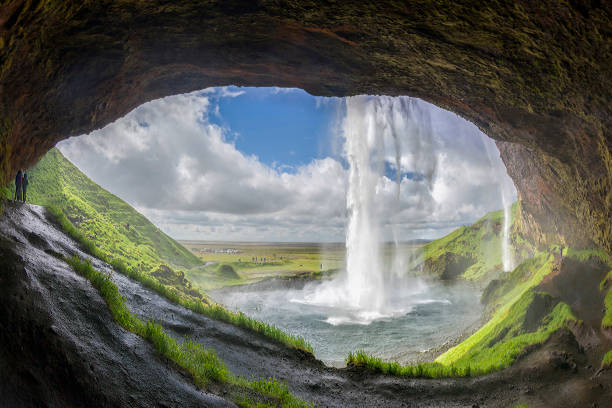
<point>61,347</point>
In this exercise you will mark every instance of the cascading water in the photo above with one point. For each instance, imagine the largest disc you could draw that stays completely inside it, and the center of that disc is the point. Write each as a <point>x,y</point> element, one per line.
<point>506,197</point>
<point>373,274</point>
<point>401,174</point>
<point>507,256</point>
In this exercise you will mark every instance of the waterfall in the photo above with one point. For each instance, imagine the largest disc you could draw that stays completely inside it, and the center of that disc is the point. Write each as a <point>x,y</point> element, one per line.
<point>373,130</point>
<point>507,255</point>
<point>506,198</point>
<point>364,148</point>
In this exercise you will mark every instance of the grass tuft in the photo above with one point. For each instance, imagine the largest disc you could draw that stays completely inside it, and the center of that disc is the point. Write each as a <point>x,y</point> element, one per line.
<point>360,359</point>
<point>203,364</point>
<point>110,293</point>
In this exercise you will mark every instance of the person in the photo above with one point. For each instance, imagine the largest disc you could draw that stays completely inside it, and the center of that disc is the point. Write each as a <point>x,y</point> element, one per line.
<point>561,252</point>
<point>18,185</point>
<point>24,185</point>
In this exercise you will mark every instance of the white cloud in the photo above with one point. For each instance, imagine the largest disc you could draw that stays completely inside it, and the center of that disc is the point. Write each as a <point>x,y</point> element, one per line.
<point>226,92</point>
<point>275,90</point>
<point>184,173</point>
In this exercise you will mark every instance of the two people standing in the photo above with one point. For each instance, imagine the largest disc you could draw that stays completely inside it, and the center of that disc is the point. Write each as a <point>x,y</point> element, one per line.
<point>21,186</point>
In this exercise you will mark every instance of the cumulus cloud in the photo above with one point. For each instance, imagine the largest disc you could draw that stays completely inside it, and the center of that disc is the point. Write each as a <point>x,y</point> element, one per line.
<point>184,172</point>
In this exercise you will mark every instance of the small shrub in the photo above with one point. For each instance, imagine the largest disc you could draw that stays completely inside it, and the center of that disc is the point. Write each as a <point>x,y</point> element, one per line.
<point>227,271</point>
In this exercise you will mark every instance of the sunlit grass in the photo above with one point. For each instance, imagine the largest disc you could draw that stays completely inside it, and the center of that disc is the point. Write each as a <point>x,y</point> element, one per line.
<point>110,293</point>
<point>526,276</point>
<point>117,229</point>
<point>360,359</point>
<point>202,306</point>
<point>203,364</point>
<point>480,242</point>
<point>497,346</point>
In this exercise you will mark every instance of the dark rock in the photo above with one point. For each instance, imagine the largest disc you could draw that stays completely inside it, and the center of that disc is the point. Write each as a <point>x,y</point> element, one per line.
<point>541,306</point>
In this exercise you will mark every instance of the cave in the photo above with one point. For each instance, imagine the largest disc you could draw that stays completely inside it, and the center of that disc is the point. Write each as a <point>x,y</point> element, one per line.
<point>532,77</point>
<point>535,77</point>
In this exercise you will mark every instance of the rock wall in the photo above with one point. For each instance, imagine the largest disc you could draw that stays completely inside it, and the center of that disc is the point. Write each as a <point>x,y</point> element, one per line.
<point>567,203</point>
<point>532,73</point>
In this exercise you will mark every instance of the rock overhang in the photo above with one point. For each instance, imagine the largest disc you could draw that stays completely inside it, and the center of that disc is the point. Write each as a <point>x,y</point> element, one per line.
<point>532,76</point>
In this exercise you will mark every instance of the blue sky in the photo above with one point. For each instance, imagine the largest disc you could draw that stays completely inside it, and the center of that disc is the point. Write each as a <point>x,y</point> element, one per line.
<point>285,127</point>
<point>268,164</point>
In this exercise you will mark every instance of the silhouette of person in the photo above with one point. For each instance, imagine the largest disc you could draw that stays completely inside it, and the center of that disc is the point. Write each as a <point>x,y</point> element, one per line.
<point>18,185</point>
<point>24,185</point>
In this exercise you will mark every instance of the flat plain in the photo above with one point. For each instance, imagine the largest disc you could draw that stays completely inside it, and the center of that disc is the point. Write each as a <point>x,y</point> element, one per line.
<point>239,263</point>
<point>253,262</point>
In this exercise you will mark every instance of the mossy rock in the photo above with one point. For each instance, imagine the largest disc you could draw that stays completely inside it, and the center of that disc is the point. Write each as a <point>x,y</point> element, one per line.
<point>449,265</point>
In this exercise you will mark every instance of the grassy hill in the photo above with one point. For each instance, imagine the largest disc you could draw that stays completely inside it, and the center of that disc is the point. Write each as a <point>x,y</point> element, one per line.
<point>474,252</point>
<point>98,220</point>
<point>116,228</point>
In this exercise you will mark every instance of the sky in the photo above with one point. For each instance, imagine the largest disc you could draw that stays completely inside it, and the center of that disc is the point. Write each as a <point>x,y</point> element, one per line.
<point>270,164</point>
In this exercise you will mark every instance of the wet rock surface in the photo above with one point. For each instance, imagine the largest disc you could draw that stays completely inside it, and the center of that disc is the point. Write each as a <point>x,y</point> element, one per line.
<point>60,344</point>
<point>61,347</point>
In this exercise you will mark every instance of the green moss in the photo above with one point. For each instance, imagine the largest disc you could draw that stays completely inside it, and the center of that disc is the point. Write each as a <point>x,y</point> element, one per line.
<point>497,344</point>
<point>606,284</point>
<point>588,255</point>
<point>508,306</point>
<point>510,287</point>
<point>606,361</point>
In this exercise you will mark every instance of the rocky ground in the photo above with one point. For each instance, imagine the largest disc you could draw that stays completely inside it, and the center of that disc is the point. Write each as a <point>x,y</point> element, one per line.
<point>61,347</point>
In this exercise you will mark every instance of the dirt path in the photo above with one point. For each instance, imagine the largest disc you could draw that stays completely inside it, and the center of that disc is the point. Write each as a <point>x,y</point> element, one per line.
<point>62,347</point>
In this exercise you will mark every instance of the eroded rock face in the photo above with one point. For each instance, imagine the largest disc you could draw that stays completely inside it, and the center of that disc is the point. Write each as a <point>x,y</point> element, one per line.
<point>535,74</point>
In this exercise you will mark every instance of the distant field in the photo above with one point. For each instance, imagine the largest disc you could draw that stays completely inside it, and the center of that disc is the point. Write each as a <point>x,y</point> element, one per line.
<point>256,261</point>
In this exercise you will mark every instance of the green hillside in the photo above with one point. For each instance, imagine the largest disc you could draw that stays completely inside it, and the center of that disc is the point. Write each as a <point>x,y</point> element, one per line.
<point>472,252</point>
<point>116,228</point>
